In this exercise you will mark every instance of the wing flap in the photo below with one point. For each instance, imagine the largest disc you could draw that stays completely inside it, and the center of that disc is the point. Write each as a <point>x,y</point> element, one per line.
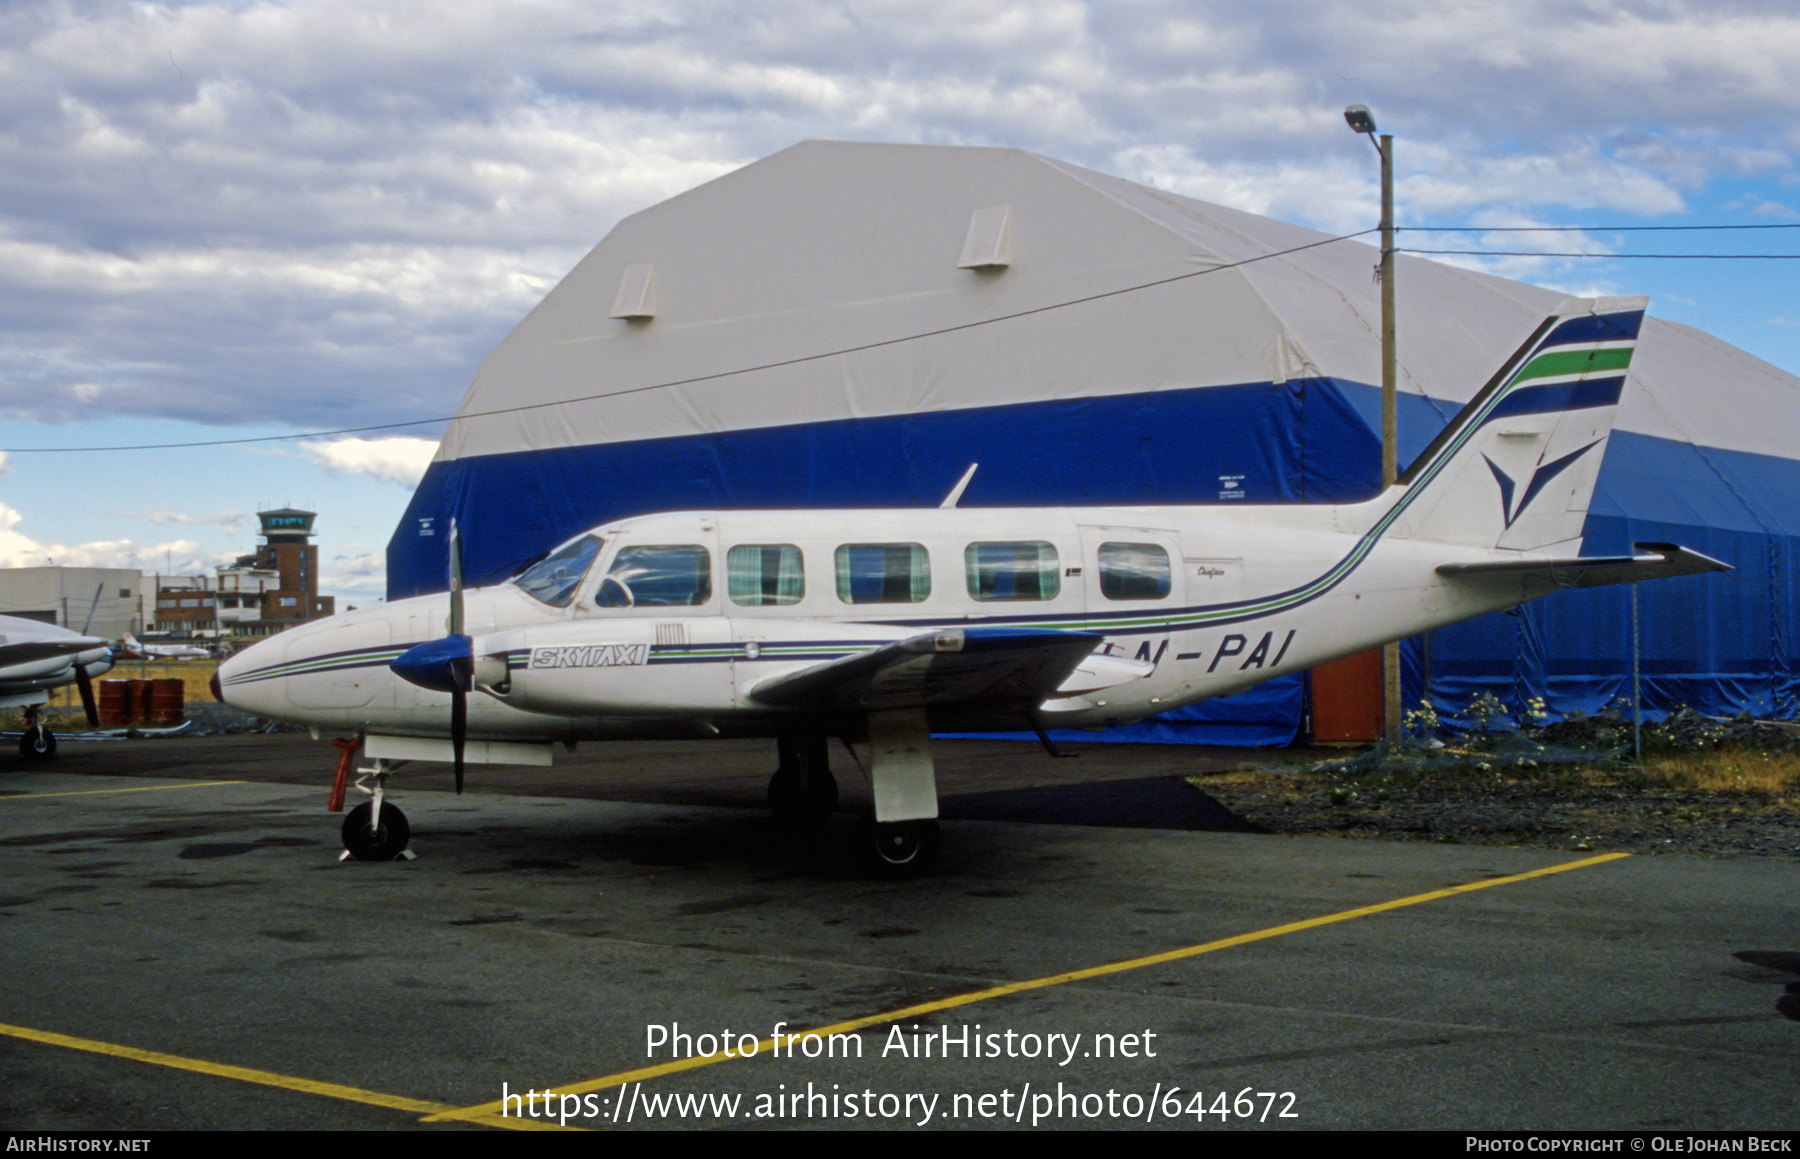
<point>955,665</point>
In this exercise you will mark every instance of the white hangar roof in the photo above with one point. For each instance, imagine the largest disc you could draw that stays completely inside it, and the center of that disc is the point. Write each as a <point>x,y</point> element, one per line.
<point>835,281</point>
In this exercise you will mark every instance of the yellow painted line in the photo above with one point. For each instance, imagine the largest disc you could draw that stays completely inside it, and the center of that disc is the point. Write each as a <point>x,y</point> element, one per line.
<point>261,1077</point>
<point>135,789</point>
<point>489,1110</point>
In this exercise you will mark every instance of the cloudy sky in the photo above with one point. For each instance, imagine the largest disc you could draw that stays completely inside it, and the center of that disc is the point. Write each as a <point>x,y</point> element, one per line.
<point>227,220</point>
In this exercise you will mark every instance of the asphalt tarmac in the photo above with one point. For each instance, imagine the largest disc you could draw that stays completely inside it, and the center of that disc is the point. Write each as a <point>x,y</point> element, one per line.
<point>185,951</point>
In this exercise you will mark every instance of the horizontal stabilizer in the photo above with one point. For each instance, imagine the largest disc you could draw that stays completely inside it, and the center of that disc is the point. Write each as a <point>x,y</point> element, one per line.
<point>952,666</point>
<point>1663,561</point>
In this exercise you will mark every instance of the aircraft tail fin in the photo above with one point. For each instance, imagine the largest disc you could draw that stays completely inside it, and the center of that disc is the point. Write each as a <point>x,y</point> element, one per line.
<point>1516,468</point>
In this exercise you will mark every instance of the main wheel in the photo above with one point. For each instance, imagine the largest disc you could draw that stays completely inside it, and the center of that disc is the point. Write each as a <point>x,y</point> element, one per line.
<point>38,743</point>
<point>901,848</point>
<point>378,843</point>
<point>802,802</point>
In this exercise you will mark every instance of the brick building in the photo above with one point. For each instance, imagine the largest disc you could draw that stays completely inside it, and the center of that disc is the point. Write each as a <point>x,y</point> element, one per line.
<point>274,587</point>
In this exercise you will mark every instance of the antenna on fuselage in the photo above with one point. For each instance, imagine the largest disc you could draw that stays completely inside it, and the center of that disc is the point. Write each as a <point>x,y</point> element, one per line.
<point>961,485</point>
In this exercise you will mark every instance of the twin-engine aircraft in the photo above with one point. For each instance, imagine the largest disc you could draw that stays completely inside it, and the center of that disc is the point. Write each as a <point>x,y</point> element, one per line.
<point>36,657</point>
<point>884,626</point>
<point>133,648</point>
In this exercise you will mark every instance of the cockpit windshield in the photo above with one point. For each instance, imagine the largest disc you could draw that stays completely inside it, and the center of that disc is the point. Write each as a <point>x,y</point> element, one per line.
<point>555,578</point>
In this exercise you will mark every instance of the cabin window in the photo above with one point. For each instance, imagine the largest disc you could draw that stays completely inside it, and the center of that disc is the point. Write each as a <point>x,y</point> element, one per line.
<point>764,575</point>
<point>554,578</point>
<point>883,573</point>
<point>1012,571</point>
<point>1133,571</point>
<point>673,576</point>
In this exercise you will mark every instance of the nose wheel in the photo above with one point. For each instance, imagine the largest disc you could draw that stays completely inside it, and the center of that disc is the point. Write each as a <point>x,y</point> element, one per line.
<point>367,839</point>
<point>38,743</point>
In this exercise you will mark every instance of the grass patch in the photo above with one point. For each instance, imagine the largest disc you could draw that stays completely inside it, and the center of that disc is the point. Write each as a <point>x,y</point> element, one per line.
<point>1726,771</point>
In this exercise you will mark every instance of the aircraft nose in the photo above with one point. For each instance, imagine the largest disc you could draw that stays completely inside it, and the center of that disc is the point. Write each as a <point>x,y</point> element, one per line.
<point>245,682</point>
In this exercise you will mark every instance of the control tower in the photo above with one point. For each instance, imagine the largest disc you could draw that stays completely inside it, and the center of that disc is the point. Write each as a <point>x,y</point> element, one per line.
<point>288,551</point>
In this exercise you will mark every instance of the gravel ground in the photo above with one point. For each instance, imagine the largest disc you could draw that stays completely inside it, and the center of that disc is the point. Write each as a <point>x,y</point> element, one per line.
<point>1548,806</point>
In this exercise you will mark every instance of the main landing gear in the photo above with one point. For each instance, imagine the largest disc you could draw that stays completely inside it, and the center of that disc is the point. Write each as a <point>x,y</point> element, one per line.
<point>803,791</point>
<point>900,837</point>
<point>899,848</point>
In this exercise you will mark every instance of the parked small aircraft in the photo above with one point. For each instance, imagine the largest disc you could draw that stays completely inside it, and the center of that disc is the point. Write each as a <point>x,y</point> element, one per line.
<point>36,657</point>
<point>882,626</point>
<point>133,648</point>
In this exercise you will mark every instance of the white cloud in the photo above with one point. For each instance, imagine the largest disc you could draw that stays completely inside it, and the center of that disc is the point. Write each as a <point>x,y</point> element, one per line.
<point>231,521</point>
<point>359,579</point>
<point>396,459</point>
<point>327,211</point>
<point>175,556</point>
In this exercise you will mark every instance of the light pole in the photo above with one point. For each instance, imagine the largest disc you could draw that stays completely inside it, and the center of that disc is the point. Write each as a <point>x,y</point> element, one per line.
<point>1360,121</point>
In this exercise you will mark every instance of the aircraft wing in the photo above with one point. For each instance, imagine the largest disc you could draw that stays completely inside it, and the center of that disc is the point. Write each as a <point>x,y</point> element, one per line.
<point>1662,561</point>
<point>32,660</point>
<point>942,667</point>
<point>32,651</point>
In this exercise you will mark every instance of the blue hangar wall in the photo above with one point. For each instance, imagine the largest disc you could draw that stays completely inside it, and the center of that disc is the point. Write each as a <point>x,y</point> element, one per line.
<point>1721,644</point>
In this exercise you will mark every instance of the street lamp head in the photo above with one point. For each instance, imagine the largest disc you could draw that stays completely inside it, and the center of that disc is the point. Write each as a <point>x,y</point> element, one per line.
<point>1359,119</point>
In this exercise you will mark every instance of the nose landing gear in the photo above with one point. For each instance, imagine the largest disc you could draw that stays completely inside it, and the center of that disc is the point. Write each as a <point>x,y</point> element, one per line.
<point>375,830</point>
<point>37,743</point>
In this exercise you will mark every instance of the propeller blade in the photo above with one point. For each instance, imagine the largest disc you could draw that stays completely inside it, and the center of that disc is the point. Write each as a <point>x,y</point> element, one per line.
<point>446,665</point>
<point>85,685</point>
<point>459,730</point>
<point>456,581</point>
<point>463,668</point>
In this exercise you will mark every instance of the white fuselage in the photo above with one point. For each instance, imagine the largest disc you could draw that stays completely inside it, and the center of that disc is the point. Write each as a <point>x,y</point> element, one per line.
<point>675,619</point>
<point>969,618</point>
